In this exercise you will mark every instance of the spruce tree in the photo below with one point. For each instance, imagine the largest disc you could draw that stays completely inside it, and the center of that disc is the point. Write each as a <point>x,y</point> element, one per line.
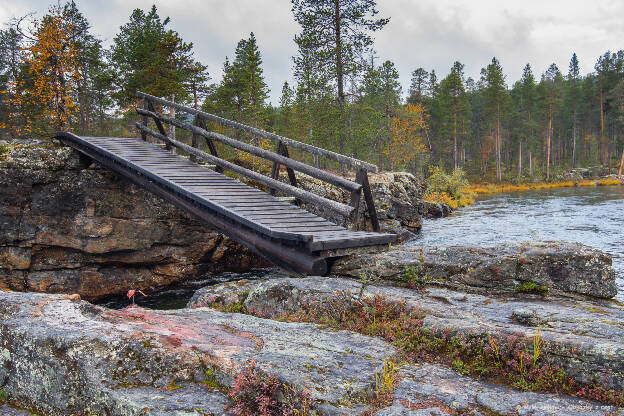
<point>417,86</point>
<point>496,97</point>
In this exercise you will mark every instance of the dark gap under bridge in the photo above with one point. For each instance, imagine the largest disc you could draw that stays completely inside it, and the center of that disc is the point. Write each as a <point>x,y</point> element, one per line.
<point>282,232</point>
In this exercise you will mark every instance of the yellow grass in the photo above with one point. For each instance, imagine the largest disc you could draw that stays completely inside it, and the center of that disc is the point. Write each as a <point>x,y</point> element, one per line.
<point>492,189</point>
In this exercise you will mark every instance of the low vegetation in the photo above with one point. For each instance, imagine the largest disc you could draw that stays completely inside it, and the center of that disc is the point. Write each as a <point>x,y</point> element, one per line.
<point>509,187</point>
<point>513,360</point>
<point>531,287</point>
<point>256,392</point>
<point>450,189</point>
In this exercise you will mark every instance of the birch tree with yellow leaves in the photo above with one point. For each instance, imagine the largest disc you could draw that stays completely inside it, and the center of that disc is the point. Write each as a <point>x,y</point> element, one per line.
<point>49,76</point>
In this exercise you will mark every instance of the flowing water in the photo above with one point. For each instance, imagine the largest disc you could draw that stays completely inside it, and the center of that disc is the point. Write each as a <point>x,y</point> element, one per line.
<point>590,215</point>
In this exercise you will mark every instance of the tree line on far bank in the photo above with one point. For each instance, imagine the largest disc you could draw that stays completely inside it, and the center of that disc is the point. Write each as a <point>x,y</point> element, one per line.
<point>55,74</point>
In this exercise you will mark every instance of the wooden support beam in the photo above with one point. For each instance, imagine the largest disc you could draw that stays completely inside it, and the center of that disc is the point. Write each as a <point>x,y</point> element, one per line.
<point>211,146</point>
<point>159,125</point>
<point>356,198</point>
<point>298,193</point>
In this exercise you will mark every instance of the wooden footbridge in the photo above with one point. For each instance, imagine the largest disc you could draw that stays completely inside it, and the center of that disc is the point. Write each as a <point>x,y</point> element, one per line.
<point>284,233</point>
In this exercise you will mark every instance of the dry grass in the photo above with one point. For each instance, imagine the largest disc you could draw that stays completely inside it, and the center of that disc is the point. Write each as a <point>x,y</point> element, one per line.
<point>492,189</point>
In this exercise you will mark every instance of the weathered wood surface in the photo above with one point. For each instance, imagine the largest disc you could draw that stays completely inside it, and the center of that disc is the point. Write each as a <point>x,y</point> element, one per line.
<point>256,151</point>
<point>304,195</point>
<point>216,194</point>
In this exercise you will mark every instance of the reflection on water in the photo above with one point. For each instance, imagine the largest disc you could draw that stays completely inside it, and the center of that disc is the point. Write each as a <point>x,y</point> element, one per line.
<point>590,215</point>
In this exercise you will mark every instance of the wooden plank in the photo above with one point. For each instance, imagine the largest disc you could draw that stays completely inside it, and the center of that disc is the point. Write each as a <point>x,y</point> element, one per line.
<point>294,220</point>
<point>338,207</point>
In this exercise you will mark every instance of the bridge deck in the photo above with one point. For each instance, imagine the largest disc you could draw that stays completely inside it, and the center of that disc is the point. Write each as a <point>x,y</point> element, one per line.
<point>221,196</point>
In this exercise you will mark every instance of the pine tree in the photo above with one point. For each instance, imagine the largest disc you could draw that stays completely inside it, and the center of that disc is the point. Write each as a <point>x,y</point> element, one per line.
<point>287,101</point>
<point>149,57</point>
<point>417,86</point>
<point>256,89</point>
<point>552,80</point>
<point>496,96</point>
<point>334,37</point>
<point>573,97</point>
<point>391,97</point>
<point>454,106</point>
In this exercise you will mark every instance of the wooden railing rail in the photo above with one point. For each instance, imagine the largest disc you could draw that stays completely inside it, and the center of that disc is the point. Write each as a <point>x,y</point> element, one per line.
<point>337,157</point>
<point>356,188</point>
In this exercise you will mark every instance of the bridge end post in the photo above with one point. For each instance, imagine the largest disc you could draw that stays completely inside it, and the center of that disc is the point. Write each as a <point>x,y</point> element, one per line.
<point>368,198</point>
<point>144,119</point>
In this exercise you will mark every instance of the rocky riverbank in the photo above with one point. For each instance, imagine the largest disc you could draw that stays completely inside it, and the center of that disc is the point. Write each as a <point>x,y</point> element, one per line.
<point>525,329</point>
<point>333,346</point>
<point>69,227</point>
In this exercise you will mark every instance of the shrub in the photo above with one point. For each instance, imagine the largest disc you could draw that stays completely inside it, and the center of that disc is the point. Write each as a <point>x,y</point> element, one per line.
<point>452,190</point>
<point>258,393</point>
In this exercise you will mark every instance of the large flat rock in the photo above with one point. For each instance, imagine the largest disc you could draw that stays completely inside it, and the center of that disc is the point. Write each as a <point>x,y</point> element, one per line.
<point>582,337</point>
<point>60,355</point>
<point>429,389</point>
<point>563,268</point>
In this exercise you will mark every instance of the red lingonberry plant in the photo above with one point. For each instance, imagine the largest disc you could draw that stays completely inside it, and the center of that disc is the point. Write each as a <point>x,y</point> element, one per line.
<point>258,393</point>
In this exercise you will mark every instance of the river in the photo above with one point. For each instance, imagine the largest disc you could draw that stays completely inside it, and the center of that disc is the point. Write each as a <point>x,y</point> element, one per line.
<point>590,215</point>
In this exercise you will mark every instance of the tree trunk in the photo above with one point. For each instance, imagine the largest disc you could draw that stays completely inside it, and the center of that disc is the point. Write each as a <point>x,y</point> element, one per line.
<point>621,163</point>
<point>455,138</point>
<point>520,160</point>
<point>499,172</point>
<point>574,141</point>
<point>339,63</point>
<point>602,136</point>
<point>548,143</point>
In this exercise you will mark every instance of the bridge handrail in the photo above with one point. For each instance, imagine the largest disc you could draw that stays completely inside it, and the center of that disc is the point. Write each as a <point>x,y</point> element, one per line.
<point>257,151</point>
<point>357,189</point>
<point>302,194</point>
<point>345,160</point>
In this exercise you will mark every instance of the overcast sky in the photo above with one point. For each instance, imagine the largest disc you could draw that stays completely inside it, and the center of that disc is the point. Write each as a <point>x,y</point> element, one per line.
<point>422,33</point>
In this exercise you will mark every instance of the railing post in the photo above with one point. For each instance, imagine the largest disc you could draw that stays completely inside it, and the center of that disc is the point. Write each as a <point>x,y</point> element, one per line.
<point>368,197</point>
<point>356,197</point>
<point>161,129</point>
<point>194,140</point>
<point>276,166</point>
<point>144,118</point>
<point>211,146</point>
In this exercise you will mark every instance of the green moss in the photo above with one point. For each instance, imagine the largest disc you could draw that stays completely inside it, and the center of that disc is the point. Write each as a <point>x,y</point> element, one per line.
<point>530,287</point>
<point>3,396</point>
<point>5,149</point>
<point>173,386</point>
<point>211,380</point>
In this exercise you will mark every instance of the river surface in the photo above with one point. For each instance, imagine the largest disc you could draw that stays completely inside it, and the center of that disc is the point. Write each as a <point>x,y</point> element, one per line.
<point>590,215</point>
